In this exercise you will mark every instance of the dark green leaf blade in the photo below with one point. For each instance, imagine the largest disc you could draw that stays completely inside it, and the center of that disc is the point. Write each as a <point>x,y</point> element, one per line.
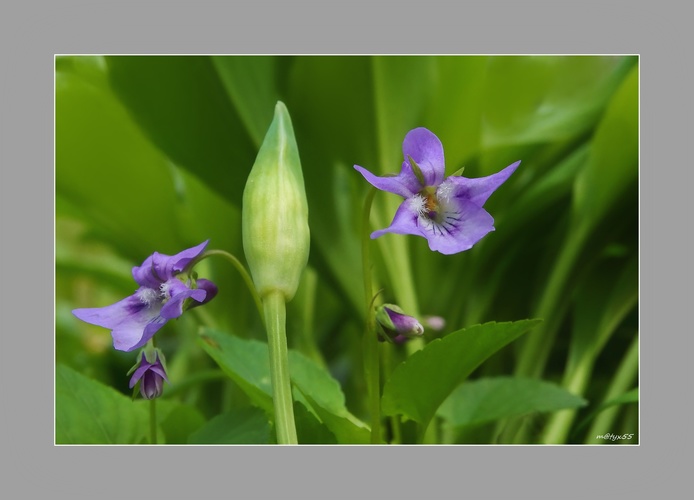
<point>250,84</point>
<point>247,363</point>
<point>88,412</point>
<point>106,169</point>
<point>418,386</point>
<point>244,426</point>
<point>484,400</point>
<point>182,106</point>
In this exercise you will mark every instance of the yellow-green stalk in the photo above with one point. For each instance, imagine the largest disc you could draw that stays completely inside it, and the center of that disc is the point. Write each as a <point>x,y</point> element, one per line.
<point>276,242</point>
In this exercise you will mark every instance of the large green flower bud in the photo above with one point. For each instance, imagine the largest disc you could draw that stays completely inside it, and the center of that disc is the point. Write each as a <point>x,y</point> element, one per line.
<point>275,212</point>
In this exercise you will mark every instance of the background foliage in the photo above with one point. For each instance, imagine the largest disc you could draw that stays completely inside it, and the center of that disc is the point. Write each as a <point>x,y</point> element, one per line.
<point>152,154</point>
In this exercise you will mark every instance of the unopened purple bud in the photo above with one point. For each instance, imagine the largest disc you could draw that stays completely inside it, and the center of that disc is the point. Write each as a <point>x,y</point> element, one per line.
<point>397,325</point>
<point>150,374</point>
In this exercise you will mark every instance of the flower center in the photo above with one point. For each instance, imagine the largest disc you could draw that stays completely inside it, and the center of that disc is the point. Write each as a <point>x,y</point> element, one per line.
<point>435,209</point>
<point>148,296</point>
<point>428,204</point>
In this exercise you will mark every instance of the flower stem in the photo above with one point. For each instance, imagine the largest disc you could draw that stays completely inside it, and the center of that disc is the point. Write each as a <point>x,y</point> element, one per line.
<point>387,365</point>
<point>152,407</point>
<point>242,270</point>
<point>275,323</point>
<point>370,342</point>
<point>153,420</point>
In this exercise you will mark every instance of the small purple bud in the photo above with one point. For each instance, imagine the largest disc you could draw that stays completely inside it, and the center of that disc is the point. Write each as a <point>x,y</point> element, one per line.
<point>150,374</point>
<point>396,325</point>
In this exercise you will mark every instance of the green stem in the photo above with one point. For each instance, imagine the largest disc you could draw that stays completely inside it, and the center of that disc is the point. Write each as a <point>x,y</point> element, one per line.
<point>370,342</point>
<point>539,343</point>
<point>153,420</point>
<point>623,380</point>
<point>275,322</point>
<point>241,269</point>
<point>152,406</point>
<point>387,364</point>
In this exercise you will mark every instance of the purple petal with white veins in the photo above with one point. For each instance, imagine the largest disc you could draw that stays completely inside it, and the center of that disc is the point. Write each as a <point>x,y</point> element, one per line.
<point>405,184</point>
<point>473,224</point>
<point>480,189</point>
<point>113,315</point>
<point>174,307</point>
<point>136,330</point>
<point>427,151</point>
<point>404,222</point>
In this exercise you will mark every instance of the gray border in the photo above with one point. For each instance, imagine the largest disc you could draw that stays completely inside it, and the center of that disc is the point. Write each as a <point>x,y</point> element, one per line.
<point>32,34</point>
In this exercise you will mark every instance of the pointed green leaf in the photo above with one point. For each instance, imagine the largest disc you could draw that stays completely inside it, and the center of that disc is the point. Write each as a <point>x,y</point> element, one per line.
<point>108,171</point>
<point>484,400</point>
<point>178,421</point>
<point>182,106</point>
<point>247,363</point>
<point>612,168</point>
<point>250,84</point>
<point>89,412</point>
<point>419,385</point>
<point>309,429</point>
<point>243,426</point>
<point>628,397</point>
<point>546,98</point>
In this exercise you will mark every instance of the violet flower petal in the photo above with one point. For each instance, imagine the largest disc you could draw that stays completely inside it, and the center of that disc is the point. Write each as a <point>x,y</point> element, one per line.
<point>159,370</point>
<point>209,287</point>
<point>427,151</point>
<point>404,222</point>
<point>136,330</point>
<point>480,189</point>
<point>144,366</point>
<point>178,293</point>
<point>473,223</point>
<point>111,316</point>
<point>405,184</point>
<point>158,267</point>
<point>404,324</point>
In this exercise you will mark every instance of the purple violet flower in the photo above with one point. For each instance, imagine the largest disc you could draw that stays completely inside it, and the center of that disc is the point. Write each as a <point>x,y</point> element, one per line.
<point>164,287</point>
<point>150,375</point>
<point>447,212</point>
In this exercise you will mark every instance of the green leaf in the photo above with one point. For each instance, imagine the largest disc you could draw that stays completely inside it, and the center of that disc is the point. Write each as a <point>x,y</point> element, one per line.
<point>88,412</point>
<point>628,397</point>
<point>243,426</point>
<point>178,421</point>
<point>309,429</point>
<point>419,385</point>
<point>453,111</point>
<point>346,428</point>
<point>182,106</point>
<point>108,171</point>
<point>247,363</point>
<point>613,164</point>
<point>546,98</point>
<point>250,83</point>
<point>488,399</point>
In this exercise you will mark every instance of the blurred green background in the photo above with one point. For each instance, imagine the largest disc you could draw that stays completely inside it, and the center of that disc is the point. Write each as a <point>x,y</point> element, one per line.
<point>152,154</point>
